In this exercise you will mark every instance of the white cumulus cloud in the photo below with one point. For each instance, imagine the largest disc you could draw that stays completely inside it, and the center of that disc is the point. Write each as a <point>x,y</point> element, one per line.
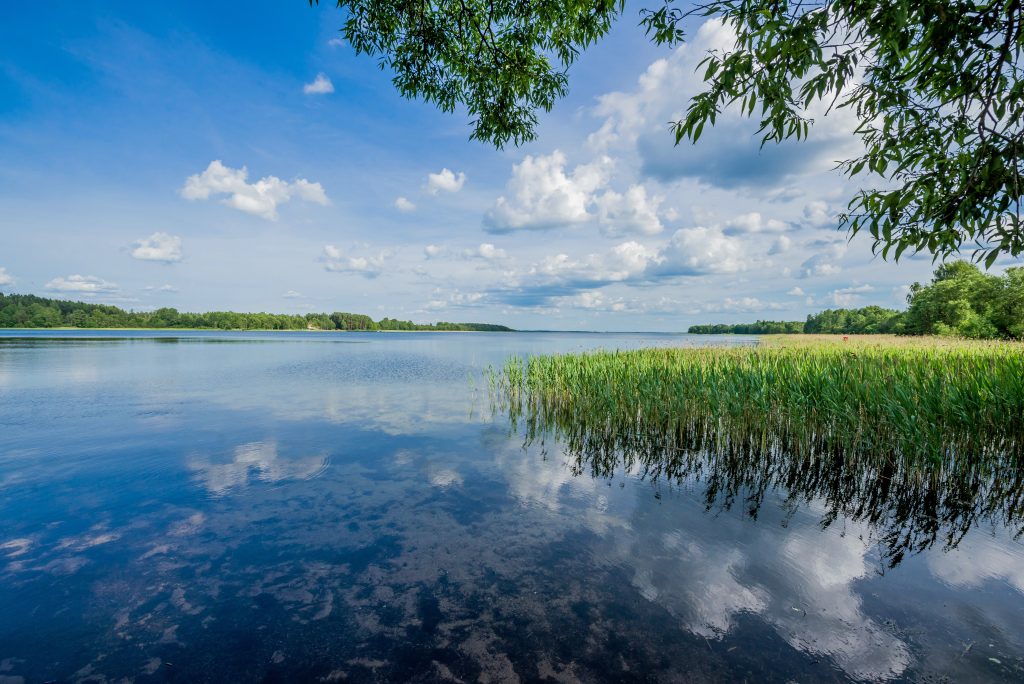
<point>729,154</point>
<point>454,299</point>
<point>5,277</point>
<point>335,260</point>
<point>321,85</point>
<point>822,264</point>
<point>625,261</point>
<point>818,215</point>
<point>742,305</point>
<point>404,205</point>
<point>631,212</point>
<point>848,296</point>
<point>485,251</point>
<point>446,180</point>
<point>158,247</point>
<point>260,198</point>
<point>541,194</point>
<point>87,285</point>
<point>592,300</point>
<point>753,223</point>
<point>689,252</point>
<point>701,251</point>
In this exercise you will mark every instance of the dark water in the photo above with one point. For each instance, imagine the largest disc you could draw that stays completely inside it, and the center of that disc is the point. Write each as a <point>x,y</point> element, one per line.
<point>313,507</point>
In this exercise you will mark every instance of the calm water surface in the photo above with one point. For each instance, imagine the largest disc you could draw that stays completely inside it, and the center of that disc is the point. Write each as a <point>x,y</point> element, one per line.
<point>316,507</point>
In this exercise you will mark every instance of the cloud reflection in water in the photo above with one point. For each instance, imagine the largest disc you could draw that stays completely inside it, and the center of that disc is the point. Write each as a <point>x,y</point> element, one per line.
<point>259,460</point>
<point>706,570</point>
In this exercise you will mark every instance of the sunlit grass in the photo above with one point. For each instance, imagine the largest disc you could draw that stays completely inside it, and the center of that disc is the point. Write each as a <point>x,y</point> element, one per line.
<point>924,399</point>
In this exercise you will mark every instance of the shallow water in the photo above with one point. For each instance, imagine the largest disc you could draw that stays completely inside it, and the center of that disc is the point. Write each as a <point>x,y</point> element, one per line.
<point>345,507</point>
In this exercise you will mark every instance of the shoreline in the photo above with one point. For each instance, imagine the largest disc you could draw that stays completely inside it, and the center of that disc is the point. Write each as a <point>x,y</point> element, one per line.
<point>248,330</point>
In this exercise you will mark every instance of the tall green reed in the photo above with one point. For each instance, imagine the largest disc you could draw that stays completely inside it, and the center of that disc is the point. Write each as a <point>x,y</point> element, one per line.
<point>923,440</point>
<point>925,403</point>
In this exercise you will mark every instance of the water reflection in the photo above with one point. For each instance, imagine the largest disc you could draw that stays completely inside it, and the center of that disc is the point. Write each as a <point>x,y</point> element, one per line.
<point>910,506</point>
<point>981,559</point>
<point>175,520</point>
<point>714,572</point>
<point>257,460</point>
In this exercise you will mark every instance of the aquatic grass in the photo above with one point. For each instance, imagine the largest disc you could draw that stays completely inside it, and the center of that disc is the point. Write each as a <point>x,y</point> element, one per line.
<point>922,439</point>
<point>926,401</point>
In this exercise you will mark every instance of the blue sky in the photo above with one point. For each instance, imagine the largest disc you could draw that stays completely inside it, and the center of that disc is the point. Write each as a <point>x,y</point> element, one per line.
<point>217,156</point>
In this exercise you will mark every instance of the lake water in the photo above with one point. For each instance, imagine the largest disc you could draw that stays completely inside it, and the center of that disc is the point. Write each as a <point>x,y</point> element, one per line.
<point>347,507</point>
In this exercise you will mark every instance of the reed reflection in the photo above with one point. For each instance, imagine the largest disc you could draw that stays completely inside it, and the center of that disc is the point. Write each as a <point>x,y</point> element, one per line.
<point>911,505</point>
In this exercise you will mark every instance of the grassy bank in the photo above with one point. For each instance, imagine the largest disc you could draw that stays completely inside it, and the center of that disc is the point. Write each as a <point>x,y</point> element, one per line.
<point>922,399</point>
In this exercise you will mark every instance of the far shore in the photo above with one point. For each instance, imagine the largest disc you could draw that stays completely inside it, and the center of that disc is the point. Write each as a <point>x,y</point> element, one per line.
<point>243,330</point>
<point>772,340</point>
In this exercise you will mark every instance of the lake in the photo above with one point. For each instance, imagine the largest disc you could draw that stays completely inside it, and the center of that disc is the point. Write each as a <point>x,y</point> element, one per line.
<point>251,507</point>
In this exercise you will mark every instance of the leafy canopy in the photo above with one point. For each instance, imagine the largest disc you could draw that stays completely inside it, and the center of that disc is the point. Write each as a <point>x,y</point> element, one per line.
<point>935,84</point>
<point>502,59</point>
<point>964,302</point>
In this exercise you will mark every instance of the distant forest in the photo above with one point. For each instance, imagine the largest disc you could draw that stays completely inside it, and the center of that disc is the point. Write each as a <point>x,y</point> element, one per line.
<point>29,311</point>
<point>960,301</point>
<point>868,320</point>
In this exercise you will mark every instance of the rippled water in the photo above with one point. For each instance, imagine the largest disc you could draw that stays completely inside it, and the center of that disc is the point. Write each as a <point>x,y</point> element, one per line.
<point>316,507</point>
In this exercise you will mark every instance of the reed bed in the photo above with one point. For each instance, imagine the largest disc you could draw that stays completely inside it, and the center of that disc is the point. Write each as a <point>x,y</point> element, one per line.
<point>924,401</point>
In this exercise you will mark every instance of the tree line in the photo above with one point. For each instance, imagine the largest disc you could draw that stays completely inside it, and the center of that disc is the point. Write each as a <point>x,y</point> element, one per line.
<point>30,311</point>
<point>960,301</point>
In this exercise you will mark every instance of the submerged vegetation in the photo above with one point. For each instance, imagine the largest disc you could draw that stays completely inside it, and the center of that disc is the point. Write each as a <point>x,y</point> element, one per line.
<point>921,437</point>
<point>960,301</point>
<point>29,311</point>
